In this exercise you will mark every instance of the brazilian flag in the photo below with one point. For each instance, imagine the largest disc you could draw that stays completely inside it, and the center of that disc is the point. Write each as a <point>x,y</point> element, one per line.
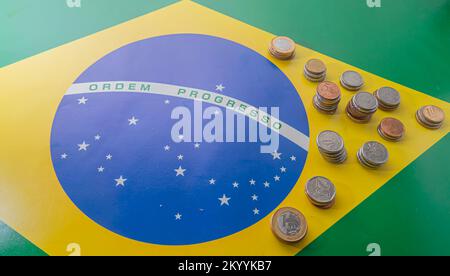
<point>91,92</point>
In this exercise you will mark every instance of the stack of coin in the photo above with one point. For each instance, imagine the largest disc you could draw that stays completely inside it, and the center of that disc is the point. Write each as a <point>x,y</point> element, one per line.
<point>289,225</point>
<point>391,129</point>
<point>373,155</point>
<point>321,192</point>
<point>282,47</point>
<point>315,70</point>
<point>430,116</point>
<point>388,98</point>
<point>361,107</point>
<point>327,98</point>
<point>331,146</point>
<point>352,80</point>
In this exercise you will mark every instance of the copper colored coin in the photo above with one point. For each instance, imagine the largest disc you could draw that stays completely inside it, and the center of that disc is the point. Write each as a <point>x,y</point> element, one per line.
<point>316,66</point>
<point>433,114</point>
<point>328,90</point>
<point>392,127</point>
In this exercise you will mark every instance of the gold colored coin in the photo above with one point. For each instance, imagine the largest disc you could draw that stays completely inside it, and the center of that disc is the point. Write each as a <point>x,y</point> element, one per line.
<point>316,67</point>
<point>289,225</point>
<point>433,114</point>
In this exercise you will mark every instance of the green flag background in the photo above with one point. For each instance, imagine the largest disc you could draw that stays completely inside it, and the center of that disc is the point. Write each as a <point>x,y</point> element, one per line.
<point>406,41</point>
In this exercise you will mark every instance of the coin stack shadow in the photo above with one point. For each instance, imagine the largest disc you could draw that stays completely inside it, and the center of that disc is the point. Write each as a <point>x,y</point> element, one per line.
<point>331,147</point>
<point>361,107</point>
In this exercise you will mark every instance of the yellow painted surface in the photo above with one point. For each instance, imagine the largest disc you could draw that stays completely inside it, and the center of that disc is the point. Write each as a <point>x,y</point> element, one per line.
<point>35,205</point>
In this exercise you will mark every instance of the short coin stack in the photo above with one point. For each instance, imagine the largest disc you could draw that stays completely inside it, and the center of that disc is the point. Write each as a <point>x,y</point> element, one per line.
<point>388,98</point>
<point>373,155</point>
<point>430,116</point>
<point>282,47</point>
<point>321,192</point>
<point>352,80</point>
<point>327,98</point>
<point>361,107</point>
<point>289,225</point>
<point>391,129</point>
<point>331,146</point>
<point>315,70</point>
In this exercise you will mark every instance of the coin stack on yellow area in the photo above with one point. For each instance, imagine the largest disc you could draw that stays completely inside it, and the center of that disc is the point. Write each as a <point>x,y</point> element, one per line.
<point>315,70</point>
<point>352,80</point>
<point>430,116</point>
<point>327,98</point>
<point>282,47</point>
<point>388,98</point>
<point>373,155</point>
<point>361,107</point>
<point>331,146</point>
<point>321,192</point>
<point>289,225</point>
<point>391,129</point>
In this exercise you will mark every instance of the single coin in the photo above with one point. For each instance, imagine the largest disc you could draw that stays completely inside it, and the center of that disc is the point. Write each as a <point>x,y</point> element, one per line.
<point>289,224</point>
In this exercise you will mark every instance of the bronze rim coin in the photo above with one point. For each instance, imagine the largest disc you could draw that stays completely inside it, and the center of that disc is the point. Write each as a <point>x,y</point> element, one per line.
<point>392,128</point>
<point>315,67</point>
<point>289,225</point>
<point>433,114</point>
<point>329,91</point>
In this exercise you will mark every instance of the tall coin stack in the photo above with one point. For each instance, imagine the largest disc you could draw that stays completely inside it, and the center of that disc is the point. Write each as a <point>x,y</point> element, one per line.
<point>331,146</point>
<point>388,98</point>
<point>321,192</point>
<point>352,80</point>
<point>373,155</point>
<point>327,98</point>
<point>282,47</point>
<point>315,70</point>
<point>430,116</point>
<point>361,107</point>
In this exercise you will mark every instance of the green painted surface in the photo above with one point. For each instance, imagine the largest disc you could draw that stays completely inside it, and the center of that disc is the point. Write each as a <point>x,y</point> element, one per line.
<point>406,41</point>
<point>13,244</point>
<point>408,216</point>
<point>28,27</point>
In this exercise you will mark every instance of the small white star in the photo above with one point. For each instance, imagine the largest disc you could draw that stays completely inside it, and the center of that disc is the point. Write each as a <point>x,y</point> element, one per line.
<point>283,169</point>
<point>120,181</point>
<point>293,158</point>
<point>64,156</point>
<point>167,102</point>
<point>180,157</point>
<point>160,205</point>
<point>97,137</point>
<point>108,157</point>
<point>220,87</point>
<point>254,197</point>
<point>252,182</point>
<point>180,171</point>
<point>166,147</point>
<point>83,146</point>
<point>212,181</point>
<point>266,184</point>
<point>100,169</point>
<point>133,121</point>
<point>276,177</point>
<point>197,145</point>
<point>82,100</point>
<point>224,200</point>
<point>276,155</point>
<point>235,184</point>
<point>178,216</point>
<point>255,211</point>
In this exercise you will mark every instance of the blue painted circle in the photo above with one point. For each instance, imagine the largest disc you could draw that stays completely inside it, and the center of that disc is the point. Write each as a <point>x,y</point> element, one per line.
<point>145,208</point>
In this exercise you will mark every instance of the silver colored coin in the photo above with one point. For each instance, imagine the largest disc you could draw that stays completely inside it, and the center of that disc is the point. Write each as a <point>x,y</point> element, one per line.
<point>388,96</point>
<point>365,101</point>
<point>374,153</point>
<point>320,190</point>
<point>352,79</point>
<point>330,142</point>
